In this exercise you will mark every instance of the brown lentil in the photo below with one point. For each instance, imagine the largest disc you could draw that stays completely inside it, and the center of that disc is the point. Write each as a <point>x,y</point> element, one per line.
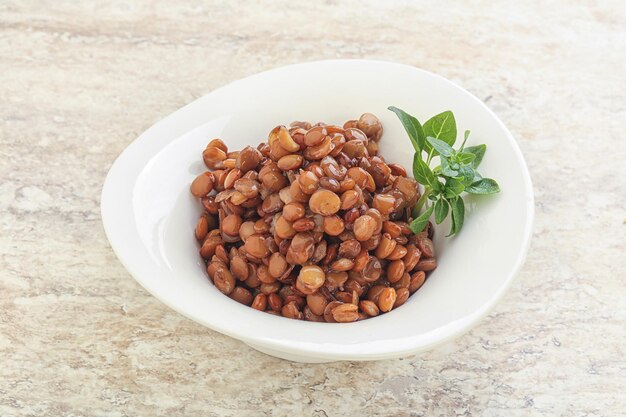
<point>417,280</point>
<point>395,270</point>
<point>425,245</point>
<point>297,299</point>
<point>351,215</point>
<point>304,224</point>
<point>314,136</point>
<point>344,296</point>
<point>310,316</point>
<point>336,279</point>
<point>232,176</point>
<point>301,248</point>
<point>241,295</point>
<point>364,227</point>
<point>386,246</point>
<point>213,157</point>
<point>255,246</point>
<point>343,264</point>
<point>202,228</point>
<point>260,302</point>
<point>333,225</point>
<point>403,282</point>
<point>275,302</point>
<point>224,280</point>
<point>231,225</point>
<point>277,265</point>
<point>248,159</point>
<point>290,310</point>
<point>361,260</point>
<point>349,199</point>
<point>317,303</point>
<point>387,299</point>
<point>284,229</point>
<point>426,264</point>
<point>293,211</point>
<point>374,293</point>
<point>286,141</point>
<point>310,279</point>
<point>315,168</point>
<point>239,268</point>
<point>328,311</point>
<point>371,243</point>
<point>261,226</point>
<point>370,125</point>
<point>270,288</point>
<point>412,257</point>
<point>207,250</point>
<point>324,202</point>
<point>402,294</point>
<point>349,249</point>
<point>346,184</point>
<point>330,184</point>
<point>398,253</point>
<point>345,313</point>
<point>218,143</point>
<point>372,270</point>
<point>229,163</point>
<point>369,307</point>
<point>220,253</point>
<point>252,281</point>
<point>202,185</point>
<point>352,285</point>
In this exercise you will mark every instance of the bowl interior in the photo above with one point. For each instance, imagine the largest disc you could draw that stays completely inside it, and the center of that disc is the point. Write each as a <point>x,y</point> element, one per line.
<point>149,214</point>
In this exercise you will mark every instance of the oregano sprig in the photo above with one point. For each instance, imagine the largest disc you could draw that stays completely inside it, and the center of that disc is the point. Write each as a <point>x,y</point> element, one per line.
<point>456,173</point>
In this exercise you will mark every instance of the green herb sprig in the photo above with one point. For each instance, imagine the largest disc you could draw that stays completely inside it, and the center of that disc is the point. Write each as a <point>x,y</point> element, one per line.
<point>455,174</point>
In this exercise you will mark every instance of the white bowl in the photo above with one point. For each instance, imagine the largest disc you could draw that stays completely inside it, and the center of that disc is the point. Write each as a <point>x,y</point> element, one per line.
<point>149,214</point>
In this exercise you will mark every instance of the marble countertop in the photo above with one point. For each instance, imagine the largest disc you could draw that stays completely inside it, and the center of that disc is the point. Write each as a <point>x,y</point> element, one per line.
<point>80,80</point>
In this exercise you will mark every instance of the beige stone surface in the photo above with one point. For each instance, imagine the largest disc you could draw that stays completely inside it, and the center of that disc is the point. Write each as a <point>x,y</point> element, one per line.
<point>80,80</point>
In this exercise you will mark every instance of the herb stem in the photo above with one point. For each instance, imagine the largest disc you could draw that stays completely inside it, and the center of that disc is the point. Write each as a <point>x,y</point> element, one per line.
<point>463,144</point>
<point>430,156</point>
<point>420,203</point>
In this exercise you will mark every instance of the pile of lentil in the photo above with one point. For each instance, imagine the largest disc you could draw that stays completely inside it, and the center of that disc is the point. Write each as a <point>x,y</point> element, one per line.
<point>313,224</point>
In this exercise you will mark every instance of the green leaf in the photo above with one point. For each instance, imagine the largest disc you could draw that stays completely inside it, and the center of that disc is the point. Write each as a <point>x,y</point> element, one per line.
<point>467,174</point>
<point>440,146</point>
<point>437,186</point>
<point>445,168</point>
<point>479,152</point>
<point>465,136</point>
<point>441,210</point>
<point>483,186</point>
<point>453,188</point>
<point>465,157</point>
<point>458,215</point>
<point>420,222</point>
<point>421,171</point>
<point>413,128</point>
<point>441,126</point>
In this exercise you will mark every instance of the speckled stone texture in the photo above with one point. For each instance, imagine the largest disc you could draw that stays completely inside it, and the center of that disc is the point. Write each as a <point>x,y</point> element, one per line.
<point>80,80</point>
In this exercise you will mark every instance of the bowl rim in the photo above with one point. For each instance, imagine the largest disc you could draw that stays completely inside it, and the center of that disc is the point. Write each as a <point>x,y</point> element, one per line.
<point>406,344</point>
